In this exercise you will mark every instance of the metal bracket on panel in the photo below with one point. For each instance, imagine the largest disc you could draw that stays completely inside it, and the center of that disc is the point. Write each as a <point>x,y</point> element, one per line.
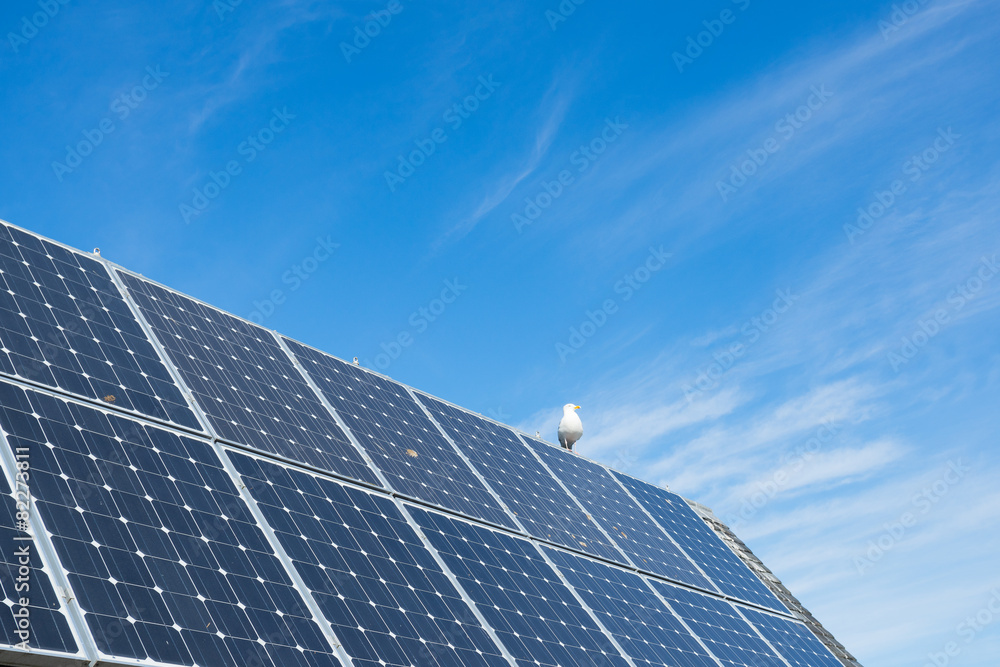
<point>586,607</point>
<point>583,509</point>
<point>665,532</point>
<point>687,627</point>
<point>333,413</point>
<point>325,626</point>
<point>42,539</point>
<point>454,580</point>
<point>496,496</point>
<point>168,363</point>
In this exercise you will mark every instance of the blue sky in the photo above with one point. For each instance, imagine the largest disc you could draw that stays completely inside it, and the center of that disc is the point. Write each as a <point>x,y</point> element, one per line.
<point>671,241</point>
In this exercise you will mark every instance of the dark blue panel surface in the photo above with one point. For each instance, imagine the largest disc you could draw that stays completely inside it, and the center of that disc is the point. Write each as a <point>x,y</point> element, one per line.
<point>541,505</point>
<point>387,598</point>
<point>245,383</point>
<point>794,641</point>
<point>165,558</point>
<point>417,460</point>
<point>64,324</point>
<point>648,547</point>
<point>647,631</point>
<point>522,598</point>
<point>716,622</point>
<point>49,628</point>
<point>702,545</point>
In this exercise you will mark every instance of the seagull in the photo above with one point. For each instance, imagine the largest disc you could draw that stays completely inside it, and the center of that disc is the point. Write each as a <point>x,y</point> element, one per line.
<point>570,427</point>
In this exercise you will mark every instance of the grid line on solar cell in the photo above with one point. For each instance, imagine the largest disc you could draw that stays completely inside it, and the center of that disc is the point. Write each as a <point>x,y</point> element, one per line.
<point>405,445</point>
<point>375,581</point>
<point>792,640</point>
<point>646,629</point>
<point>532,611</point>
<point>647,546</point>
<point>64,324</point>
<point>534,496</point>
<point>728,636</point>
<point>730,574</point>
<point>245,384</point>
<point>162,554</point>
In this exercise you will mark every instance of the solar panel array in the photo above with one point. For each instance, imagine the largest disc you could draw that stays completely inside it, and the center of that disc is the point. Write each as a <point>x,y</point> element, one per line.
<point>205,492</point>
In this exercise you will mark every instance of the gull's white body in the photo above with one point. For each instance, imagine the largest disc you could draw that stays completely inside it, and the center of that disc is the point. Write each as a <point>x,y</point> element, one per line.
<point>570,426</point>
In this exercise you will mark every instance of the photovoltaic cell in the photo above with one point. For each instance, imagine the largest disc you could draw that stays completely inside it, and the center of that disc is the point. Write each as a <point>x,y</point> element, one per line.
<point>522,598</point>
<point>387,598</point>
<point>647,631</point>
<point>49,627</point>
<point>647,546</point>
<point>245,383</point>
<point>542,506</point>
<point>794,641</point>
<point>701,544</point>
<point>165,558</point>
<point>411,452</point>
<point>64,324</point>
<point>728,637</point>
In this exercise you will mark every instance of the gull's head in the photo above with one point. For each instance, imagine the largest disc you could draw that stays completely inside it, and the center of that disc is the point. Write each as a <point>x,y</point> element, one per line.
<point>569,408</point>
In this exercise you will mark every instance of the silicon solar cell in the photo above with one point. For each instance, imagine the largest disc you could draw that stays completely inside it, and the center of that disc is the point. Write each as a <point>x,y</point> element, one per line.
<point>64,324</point>
<point>409,449</point>
<point>522,598</point>
<point>388,600</point>
<point>648,547</point>
<point>719,625</point>
<point>701,544</point>
<point>794,641</point>
<point>164,556</point>
<point>540,504</point>
<point>242,379</point>
<point>647,631</point>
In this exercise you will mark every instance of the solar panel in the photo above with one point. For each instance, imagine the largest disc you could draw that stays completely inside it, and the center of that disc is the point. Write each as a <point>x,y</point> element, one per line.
<point>64,324</point>
<point>719,625</point>
<point>701,544</point>
<point>408,448</point>
<point>794,641</point>
<point>647,631</point>
<point>388,601</point>
<point>532,611</point>
<point>164,557</point>
<point>328,516</point>
<point>243,381</point>
<point>646,545</point>
<point>533,495</point>
<point>49,629</point>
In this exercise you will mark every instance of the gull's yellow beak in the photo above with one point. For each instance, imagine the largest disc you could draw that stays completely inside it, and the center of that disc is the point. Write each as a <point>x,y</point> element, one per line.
<point>577,407</point>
